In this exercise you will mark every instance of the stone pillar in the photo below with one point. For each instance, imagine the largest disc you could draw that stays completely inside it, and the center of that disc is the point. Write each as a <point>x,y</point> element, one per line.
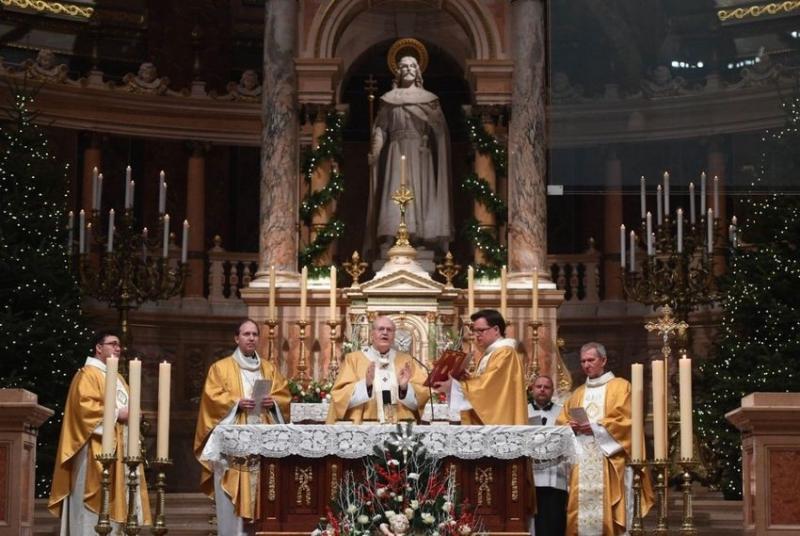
<point>484,169</point>
<point>196,214</point>
<point>279,165</point>
<point>527,233</point>
<point>20,416</point>
<point>92,158</point>
<point>717,168</point>
<point>612,206</point>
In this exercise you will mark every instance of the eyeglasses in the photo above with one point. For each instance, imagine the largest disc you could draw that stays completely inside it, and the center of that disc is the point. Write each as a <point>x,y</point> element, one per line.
<point>113,343</point>
<point>479,331</point>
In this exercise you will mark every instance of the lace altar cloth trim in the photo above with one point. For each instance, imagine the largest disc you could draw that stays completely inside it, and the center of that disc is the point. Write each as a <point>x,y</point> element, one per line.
<point>236,444</point>
<point>306,412</point>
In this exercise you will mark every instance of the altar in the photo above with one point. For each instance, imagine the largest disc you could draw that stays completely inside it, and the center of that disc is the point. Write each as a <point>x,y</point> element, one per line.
<point>302,466</point>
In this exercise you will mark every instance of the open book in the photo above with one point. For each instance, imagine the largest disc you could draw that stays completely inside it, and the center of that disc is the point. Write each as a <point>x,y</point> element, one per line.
<point>451,363</point>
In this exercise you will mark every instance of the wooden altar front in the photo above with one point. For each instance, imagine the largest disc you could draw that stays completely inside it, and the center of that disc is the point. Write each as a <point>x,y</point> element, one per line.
<point>296,491</point>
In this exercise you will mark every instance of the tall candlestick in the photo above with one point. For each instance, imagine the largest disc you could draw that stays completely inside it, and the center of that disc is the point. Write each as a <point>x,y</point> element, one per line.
<point>622,246</point>
<point>165,238</point>
<point>82,231</point>
<point>470,290</point>
<point>716,196</point>
<point>132,186</point>
<point>402,171</point>
<point>649,230</point>
<point>303,292</point>
<point>110,242</point>
<point>637,411</point>
<point>535,295</point>
<point>128,187</point>
<point>702,193</point>
<point>185,242</point>
<point>333,295</point>
<point>642,196</point>
<point>272,292</point>
<point>666,193</point>
<point>70,230</point>
<point>659,411</point>
<point>632,267</point>
<point>100,191</point>
<point>134,406</point>
<point>162,198</point>
<point>504,292</point>
<point>710,233</point>
<point>162,441</point>
<point>659,206</point>
<point>110,406</point>
<point>94,189</point>
<point>691,203</point>
<point>685,379</point>
<point>680,230</point>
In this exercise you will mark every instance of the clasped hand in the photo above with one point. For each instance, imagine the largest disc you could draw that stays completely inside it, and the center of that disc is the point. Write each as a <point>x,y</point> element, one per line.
<point>247,404</point>
<point>581,428</point>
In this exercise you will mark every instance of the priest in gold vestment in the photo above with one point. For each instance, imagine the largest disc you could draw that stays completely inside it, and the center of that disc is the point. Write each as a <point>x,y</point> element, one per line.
<point>75,492</point>
<point>495,393</point>
<point>227,399</point>
<point>600,493</point>
<point>378,380</point>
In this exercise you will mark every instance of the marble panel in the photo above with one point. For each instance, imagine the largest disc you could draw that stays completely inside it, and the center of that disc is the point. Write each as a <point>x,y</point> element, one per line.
<point>784,505</point>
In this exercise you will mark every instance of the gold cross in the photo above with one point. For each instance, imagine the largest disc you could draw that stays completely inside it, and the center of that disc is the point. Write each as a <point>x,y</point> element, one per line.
<point>667,326</point>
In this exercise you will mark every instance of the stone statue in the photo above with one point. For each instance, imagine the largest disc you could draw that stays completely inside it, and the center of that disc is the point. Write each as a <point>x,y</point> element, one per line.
<point>663,84</point>
<point>146,80</point>
<point>46,68</point>
<point>247,89</point>
<point>410,122</point>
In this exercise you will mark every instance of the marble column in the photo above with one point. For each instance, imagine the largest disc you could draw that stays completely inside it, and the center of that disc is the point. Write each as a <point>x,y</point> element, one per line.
<point>484,169</point>
<point>527,232</point>
<point>612,206</point>
<point>195,213</point>
<point>279,141</point>
<point>92,158</point>
<point>716,161</point>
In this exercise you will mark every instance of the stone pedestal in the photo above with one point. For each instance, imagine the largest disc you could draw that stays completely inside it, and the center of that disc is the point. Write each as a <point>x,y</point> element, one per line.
<point>20,416</point>
<point>770,426</point>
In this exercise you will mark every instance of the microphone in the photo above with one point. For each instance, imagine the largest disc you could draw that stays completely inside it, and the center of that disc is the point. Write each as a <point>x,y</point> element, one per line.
<point>430,387</point>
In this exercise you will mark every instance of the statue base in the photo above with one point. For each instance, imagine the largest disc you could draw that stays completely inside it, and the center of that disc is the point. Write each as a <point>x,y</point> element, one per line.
<point>417,260</point>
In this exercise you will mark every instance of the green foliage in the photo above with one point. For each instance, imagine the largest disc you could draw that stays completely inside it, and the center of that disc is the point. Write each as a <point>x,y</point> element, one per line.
<point>495,253</point>
<point>43,336</point>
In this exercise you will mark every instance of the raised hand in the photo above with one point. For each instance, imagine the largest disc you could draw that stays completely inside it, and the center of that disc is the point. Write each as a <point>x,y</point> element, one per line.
<point>370,374</point>
<point>404,376</point>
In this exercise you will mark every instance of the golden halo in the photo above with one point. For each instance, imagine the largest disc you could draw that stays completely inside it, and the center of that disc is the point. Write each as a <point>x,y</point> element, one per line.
<point>407,46</point>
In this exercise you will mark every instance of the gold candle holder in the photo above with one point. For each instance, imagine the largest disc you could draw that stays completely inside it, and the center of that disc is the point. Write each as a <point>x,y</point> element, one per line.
<point>637,524</point>
<point>469,340</point>
<point>132,527</point>
<point>533,362</point>
<point>687,527</point>
<point>103,521</point>
<point>333,365</point>
<point>661,467</point>
<point>159,521</point>
<point>271,324</point>
<point>302,377</point>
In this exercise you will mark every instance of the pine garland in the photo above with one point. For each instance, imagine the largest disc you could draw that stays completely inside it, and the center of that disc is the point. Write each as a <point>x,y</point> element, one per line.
<point>314,201</point>
<point>486,144</point>
<point>496,254</point>
<point>480,190</point>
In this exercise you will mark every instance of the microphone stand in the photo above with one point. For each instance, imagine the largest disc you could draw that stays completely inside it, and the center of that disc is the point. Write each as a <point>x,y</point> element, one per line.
<point>430,388</point>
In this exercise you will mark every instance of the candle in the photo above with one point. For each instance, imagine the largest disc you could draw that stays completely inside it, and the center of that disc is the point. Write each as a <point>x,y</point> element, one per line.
<point>128,187</point>
<point>622,246</point>
<point>680,230</point>
<point>637,411</point>
<point>185,243</point>
<point>82,231</point>
<point>650,250</point>
<point>134,409</point>
<point>94,189</point>
<point>402,171</point>
<point>535,296</point>
<point>710,234</point>
<point>716,196</point>
<point>110,406</point>
<point>685,379</point>
<point>470,290</point>
<point>162,441</point>
<point>132,185</point>
<point>333,294</point>
<point>99,191</point>
<point>666,193</point>
<point>70,231</point>
<point>88,236</point>
<point>632,266</point>
<point>702,193</point>
<point>659,411</point>
<point>162,196</point>
<point>691,203</point>
<point>659,206</point>
<point>144,243</point>
<point>642,198</point>
<point>110,244</point>
<point>272,292</point>
<point>303,291</point>
<point>504,292</point>
<point>165,238</point>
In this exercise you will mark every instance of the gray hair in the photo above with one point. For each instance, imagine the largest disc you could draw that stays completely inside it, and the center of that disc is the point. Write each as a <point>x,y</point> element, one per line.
<point>599,348</point>
<point>387,317</point>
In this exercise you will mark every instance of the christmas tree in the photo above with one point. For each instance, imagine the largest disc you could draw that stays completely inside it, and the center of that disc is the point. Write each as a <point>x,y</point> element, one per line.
<point>758,348</point>
<point>43,337</point>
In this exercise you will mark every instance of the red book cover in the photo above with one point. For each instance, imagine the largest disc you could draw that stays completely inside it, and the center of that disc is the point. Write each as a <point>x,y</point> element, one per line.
<point>451,363</point>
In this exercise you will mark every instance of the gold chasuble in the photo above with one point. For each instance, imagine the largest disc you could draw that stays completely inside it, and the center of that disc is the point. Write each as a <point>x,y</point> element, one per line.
<point>222,391</point>
<point>497,389</point>
<point>83,413</point>
<point>354,370</point>
<point>598,487</point>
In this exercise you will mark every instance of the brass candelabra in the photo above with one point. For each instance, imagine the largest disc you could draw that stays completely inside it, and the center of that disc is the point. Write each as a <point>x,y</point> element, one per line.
<point>302,376</point>
<point>103,519</point>
<point>333,364</point>
<point>355,268</point>
<point>132,527</point>
<point>159,521</point>
<point>533,362</point>
<point>448,269</point>
<point>271,325</point>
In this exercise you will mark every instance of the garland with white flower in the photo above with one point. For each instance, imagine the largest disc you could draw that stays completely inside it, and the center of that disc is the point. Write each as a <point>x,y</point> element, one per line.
<point>313,393</point>
<point>405,491</point>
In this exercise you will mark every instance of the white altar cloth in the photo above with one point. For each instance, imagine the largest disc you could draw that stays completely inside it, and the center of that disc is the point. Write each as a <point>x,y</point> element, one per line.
<point>545,445</point>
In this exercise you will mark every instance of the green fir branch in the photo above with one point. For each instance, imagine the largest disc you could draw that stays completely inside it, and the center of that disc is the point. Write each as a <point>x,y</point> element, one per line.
<point>486,144</point>
<point>479,189</point>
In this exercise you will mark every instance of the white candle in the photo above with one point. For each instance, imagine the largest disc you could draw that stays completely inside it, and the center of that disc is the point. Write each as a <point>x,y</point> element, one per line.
<point>685,379</point>
<point>272,292</point>
<point>703,193</point>
<point>402,171</point>
<point>162,441</point>
<point>659,411</point>
<point>128,187</point>
<point>162,198</point>
<point>632,266</point>
<point>165,238</point>
<point>132,185</point>
<point>470,290</point>
<point>642,196</point>
<point>110,244</point>
<point>650,233</point>
<point>333,294</point>
<point>134,406</point>
<point>144,243</point>
<point>691,203</point>
<point>710,237</point>
<point>303,292</point>
<point>99,191</point>
<point>666,193</point>
<point>82,231</point>
<point>716,196</point>
<point>535,295</point>
<point>70,231</point>
<point>637,411</point>
<point>94,189</point>
<point>680,230</point>
<point>622,246</point>
<point>110,406</point>
<point>504,292</point>
<point>185,243</point>
<point>659,206</point>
